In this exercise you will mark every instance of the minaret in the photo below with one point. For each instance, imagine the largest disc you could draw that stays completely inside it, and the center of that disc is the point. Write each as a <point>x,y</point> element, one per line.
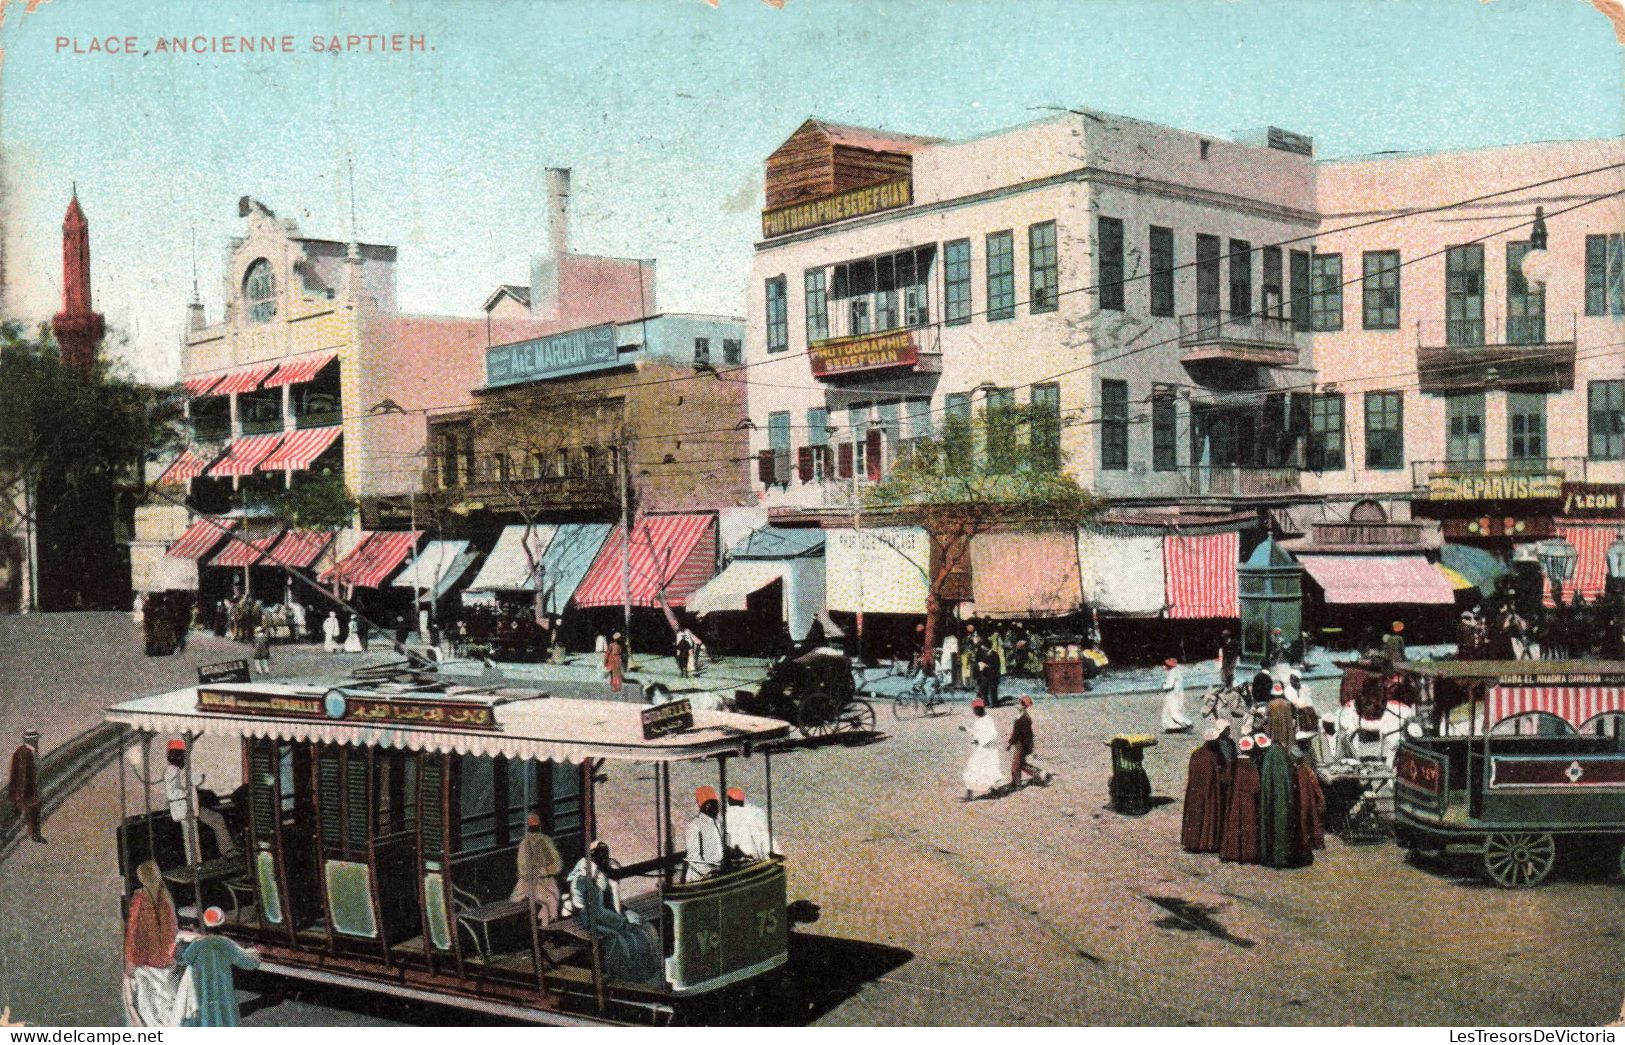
<point>78,329</point>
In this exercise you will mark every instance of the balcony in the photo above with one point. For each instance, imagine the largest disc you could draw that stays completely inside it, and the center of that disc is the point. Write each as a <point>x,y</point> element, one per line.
<point>1237,481</point>
<point>262,425</point>
<point>211,431</point>
<point>1519,353</point>
<point>1506,479</point>
<point>548,492</point>
<point>1219,338</point>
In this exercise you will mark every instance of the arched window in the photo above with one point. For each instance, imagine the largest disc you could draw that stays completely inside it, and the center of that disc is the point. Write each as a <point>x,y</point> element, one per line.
<point>259,292</point>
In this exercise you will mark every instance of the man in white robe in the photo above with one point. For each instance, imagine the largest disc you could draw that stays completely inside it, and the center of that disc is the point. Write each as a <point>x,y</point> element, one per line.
<point>1173,699</point>
<point>747,826</point>
<point>330,633</point>
<point>703,839</point>
<point>984,771</point>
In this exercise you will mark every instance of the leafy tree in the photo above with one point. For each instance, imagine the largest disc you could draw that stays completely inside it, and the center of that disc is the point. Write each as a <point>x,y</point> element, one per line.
<point>1005,468</point>
<point>314,502</point>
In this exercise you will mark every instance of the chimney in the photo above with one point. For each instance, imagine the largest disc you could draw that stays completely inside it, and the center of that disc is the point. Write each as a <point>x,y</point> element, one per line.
<point>545,268</point>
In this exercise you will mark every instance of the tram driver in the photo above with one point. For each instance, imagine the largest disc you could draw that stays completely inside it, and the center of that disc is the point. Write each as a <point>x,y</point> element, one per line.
<point>181,796</point>
<point>703,840</point>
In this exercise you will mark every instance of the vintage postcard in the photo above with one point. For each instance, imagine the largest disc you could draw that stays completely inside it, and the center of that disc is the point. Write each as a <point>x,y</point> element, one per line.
<point>726,513</point>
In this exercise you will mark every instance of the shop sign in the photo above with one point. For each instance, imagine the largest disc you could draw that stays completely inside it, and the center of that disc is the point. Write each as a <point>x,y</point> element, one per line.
<point>1531,527</point>
<point>854,203</point>
<point>1594,500</point>
<point>1496,486</point>
<point>577,352</point>
<point>847,355</point>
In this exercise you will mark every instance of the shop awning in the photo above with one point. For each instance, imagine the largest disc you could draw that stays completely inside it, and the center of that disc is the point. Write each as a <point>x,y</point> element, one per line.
<point>566,552</point>
<point>741,578</point>
<point>881,569</point>
<point>241,553</point>
<point>246,454</point>
<point>1201,576</point>
<point>1477,565</point>
<point>201,537</point>
<point>187,466</point>
<point>298,371</point>
<point>1122,575</point>
<point>1457,581</point>
<point>200,386</point>
<point>436,567</point>
<point>1590,576</point>
<point>669,554</point>
<point>299,548</point>
<point>1373,580</point>
<point>245,380</point>
<point>374,559</point>
<point>773,542</point>
<point>508,567</point>
<point>1025,574</point>
<point>301,448</point>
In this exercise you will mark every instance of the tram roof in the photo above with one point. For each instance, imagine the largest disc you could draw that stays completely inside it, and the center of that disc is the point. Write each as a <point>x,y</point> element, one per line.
<point>508,722</point>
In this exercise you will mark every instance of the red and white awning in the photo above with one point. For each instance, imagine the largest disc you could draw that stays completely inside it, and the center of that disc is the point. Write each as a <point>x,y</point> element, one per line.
<point>246,454</point>
<point>1377,580</point>
<point>241,553</point>
<point>299,548</point>
<point>201,537</point>
<point>675,554</point>
<point>244,380</point>
<point>301,448</point>
<point>374,559</point>
<point>1576,705</point>
<point>1200,576</point>
<point>1591,568</point>
<point>187,466</point>
<point>298,371</point>
<point>199,386</point>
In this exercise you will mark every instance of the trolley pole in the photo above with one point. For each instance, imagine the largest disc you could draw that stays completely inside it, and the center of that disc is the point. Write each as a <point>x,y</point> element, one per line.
<point>626,553</point>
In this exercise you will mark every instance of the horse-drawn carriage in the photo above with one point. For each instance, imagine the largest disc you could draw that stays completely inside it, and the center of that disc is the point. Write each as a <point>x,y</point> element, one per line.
<point>814,691</point>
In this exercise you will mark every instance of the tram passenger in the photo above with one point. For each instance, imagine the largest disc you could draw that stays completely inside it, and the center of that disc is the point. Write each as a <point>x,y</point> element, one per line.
<point>211,958</point>
<point>703,840</point>
<point>185,811</point>
<point>747,826</point>
<point>151,977</point>
<point>539,867</point>
<point>627,944</point>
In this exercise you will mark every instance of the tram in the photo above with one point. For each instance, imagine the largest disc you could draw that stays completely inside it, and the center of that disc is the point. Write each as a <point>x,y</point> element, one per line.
<point>378,824</point>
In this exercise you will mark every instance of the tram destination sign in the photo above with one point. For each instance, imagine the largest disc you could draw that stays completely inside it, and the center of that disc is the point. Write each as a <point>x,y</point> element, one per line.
<point>225,671</point>
<point>340,706</point>
<point>663,720</point>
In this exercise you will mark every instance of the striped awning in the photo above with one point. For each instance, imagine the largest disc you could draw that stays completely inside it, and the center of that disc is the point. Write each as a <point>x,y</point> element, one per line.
<point>299,548</point>
<point>301,448</point>
<point>669,554</point>
<point>1200,576</point>
<point>374,559</point>
<point>187,466</point>
<point>243,552</point>
<point>201,537</point>
<point>245,380</point>
<point>199,386</point>
<point>1591,568</point>
<point>298,371</point>
<point>246,454</point>
<point>1576,705</point>
<point>1379,580</point>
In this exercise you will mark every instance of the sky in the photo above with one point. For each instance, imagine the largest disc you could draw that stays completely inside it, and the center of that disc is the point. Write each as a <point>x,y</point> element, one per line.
<point>665,111</point>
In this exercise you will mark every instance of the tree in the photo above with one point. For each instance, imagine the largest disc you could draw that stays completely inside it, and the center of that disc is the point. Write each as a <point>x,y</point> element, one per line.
<point>312,502</point>
<point>1003,469</point>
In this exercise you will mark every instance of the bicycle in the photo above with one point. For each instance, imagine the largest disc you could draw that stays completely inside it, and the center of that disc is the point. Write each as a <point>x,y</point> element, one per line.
<point>923,699</point>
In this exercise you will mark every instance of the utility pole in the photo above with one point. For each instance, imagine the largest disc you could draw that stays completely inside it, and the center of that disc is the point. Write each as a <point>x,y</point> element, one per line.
<point>626,547</point>
<point>417,596</point>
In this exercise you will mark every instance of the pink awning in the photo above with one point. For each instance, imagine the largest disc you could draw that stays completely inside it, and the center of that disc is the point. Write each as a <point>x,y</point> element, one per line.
<point>301,448</point>
<point>1591,568</point>
<point>244,380</point>
<point>201,537</point>
<point>298,371</point>
<point>673,554</point>
<point>1372,580</point>
<point>246,454</point>
<point>374,559</point>
<point>241,553</point>
<point>1200,576</point>
<point>1025,574</point>
<point>187,466</point>
<point>199,386</point>
<point>299,548</point>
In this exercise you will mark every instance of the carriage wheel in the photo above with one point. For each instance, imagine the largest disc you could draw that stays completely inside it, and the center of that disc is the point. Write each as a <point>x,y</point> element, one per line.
<point>1518,861</point>
<point>858,717</point>
<point>818,715</point>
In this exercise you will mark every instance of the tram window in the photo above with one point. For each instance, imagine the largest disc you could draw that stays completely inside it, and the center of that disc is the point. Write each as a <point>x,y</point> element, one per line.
<point>1532,724</point>
<point>476,803</point>
<point>285,777</point>
<point>396,791</point>
<point>1610,724</point>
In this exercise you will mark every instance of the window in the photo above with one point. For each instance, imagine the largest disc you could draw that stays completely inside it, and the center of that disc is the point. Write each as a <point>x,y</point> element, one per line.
<point>818,444</point>
<point>259,292</point>
<point>956,431</point>
<point>857,418</point>
<point>702,351</point>
<point>1164,434</point>
<point>1526,428</point>
<point>1464,428</point>
<point>1526,305</point>
<point>1464,295</point>
<point>1207,278</point>
<point>1110,281</point>
<point>476,803</point>
<point>1001,431</point>
<point>1273,302</point>
<point>1384,430</point>
<point>918,412</point>
<point>1041,267</point>
<point>778,318</point>
<point>1607,411</point>
<point>1162,271</point>
<point>1379,289</point>
<point>1113,425</point>
<point>1001,276</point>
<point>891,428</point>
<point>1605,275</point>
<point>1326,292</point>
<point>778,440</point>
<point>732,352</point>
<point>1046,427</point>
<point>1326,433</point>
<point>448,459</point>
<point>817,306</point>
<point>1241,278</point>
<point>956,288</point>
<point>883,293</point>
<point>1300,289</point>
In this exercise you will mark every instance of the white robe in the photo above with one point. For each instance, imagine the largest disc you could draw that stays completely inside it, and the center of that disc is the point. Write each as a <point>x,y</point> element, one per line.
<point>330,634</point>
<point>159,997</point>
<point>983,771</point>
<point>703,844</point>
<point>747,831</point>
<point>1173,701</point>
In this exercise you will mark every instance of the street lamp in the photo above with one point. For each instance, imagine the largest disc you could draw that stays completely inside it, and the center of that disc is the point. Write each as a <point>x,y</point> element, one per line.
<point>1615,559</point>
<point>1557,558</point>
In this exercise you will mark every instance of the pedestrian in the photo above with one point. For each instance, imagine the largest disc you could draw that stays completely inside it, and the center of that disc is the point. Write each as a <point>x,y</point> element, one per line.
<point>262,650</point>
<point>1228,655</point>
<point>682,650</point>
<point>23,787</point>
<point>1020,746</point>
<point>539,866</point>
<point>151,977</point>
<point>702,841</point>
<point>1393,643</point>
<point>948,660</point>
<point>967,655</point>
<point>401,630</point>
<point>996,643</point>
<point>180,795</point>
<point>1173,700</point>
<point>747,827</point>
<point>331,630</point>
<point>987,673</point>
<point>983,773</point>
<point>211,958</point>
<point>296,617</point>
<point>614,662</point>
<point>1278,842</point>
<point>1275,650</point>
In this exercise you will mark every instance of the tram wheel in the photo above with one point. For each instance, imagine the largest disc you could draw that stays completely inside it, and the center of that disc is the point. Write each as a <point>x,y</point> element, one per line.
<point>1518,861</point>
<point>818,715</point>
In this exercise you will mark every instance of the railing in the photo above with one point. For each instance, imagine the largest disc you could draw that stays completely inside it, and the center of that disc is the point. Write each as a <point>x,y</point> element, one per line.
<point>1497,331</point>
<point>1372,533</point>
<point>1237,481</point>
<point>262,426</point>
<point>569,490</point>
<point>217,432</point>
<point>318,419</point>
<point>1570,469</point>
<point>1214,328</point>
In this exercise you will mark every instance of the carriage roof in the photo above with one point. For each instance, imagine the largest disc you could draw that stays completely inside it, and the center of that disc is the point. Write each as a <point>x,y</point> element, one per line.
<point>492,721</point>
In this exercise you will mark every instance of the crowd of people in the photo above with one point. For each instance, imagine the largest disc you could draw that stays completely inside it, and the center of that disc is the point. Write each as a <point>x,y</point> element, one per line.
<point>1571,630</point>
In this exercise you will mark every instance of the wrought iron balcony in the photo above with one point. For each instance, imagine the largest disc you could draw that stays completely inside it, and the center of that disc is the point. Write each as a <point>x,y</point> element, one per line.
<point>1253,339</point>
<point>1520,353</point>
<point>1238,481</point>
<point>577,492</point>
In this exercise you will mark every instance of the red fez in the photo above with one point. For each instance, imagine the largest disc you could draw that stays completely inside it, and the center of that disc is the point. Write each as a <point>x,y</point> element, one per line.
<point>214,918</point>
<point>1245,743</point>
<point>1026,701</point>
<point>533,821</point>
<point>978,703</point>
<point>703,795</point>
<point>177,745</point>
<point>1263,740</point>
<point>1170,663</point>
<point>736,793</point>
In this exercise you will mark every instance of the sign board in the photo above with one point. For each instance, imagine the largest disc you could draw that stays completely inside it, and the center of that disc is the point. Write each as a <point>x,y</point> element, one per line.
<point>340,706</point>
<point>576,352</point>
<point>853,203</point>
<point>851,355</point>
<point>225,671</point>
<point>663,720</point>
<point>1594,500</point>
<point>1496,486</point>
<point>1533,527</point>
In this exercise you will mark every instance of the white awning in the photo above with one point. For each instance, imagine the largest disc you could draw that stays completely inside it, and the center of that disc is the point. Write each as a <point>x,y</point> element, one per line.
<point>729,589</point>
<point>438,566</point>
<point>508,568</point>
<point>1123,575</point>
<point>878,569</point>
